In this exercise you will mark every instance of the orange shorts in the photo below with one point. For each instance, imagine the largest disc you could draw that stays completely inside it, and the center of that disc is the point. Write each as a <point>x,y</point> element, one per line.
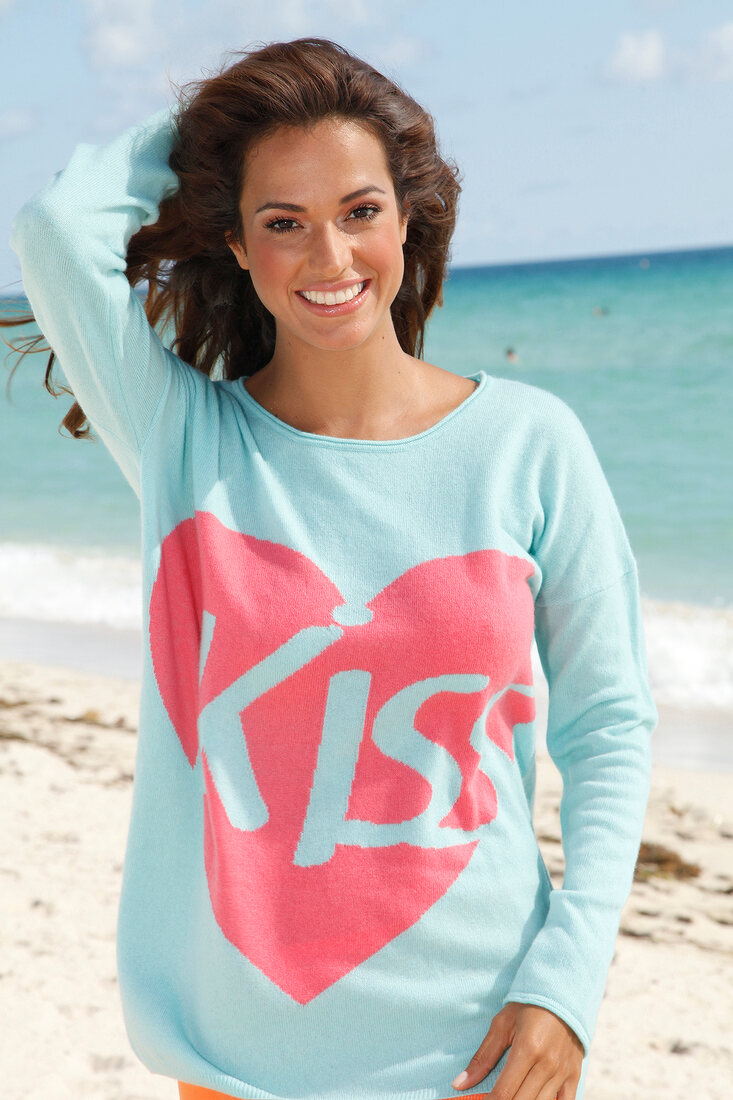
<point>196,1092</point>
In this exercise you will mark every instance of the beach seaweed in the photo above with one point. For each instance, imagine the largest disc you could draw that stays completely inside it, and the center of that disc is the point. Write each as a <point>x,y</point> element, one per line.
<point>655,859</point>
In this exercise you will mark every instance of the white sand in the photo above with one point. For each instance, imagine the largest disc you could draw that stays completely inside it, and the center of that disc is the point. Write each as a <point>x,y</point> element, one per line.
<point>66,759</point>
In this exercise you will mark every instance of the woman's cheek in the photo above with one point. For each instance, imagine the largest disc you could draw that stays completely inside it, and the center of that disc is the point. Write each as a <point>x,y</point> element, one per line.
<point>271,272</point>
<point>386,257</point>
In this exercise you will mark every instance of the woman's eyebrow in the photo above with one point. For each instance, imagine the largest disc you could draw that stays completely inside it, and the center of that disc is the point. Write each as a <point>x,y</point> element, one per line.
<point>301,209</point>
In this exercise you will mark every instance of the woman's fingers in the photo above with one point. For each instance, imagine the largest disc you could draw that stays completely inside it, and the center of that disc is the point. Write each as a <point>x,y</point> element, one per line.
<point>497,1039</point>
<point>518,1071</point>
<point>541,1083</point>
<point>545,1056</point>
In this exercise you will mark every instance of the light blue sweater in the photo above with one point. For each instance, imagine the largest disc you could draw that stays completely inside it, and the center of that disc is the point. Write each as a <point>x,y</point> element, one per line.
<point>332,881</point>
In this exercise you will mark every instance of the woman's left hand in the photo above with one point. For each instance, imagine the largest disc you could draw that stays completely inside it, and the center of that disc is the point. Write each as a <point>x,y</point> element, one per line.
<point>544,1061</point>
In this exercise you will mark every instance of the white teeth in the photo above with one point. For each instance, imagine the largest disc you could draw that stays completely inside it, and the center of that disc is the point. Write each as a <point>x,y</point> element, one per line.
<point>331,298</point>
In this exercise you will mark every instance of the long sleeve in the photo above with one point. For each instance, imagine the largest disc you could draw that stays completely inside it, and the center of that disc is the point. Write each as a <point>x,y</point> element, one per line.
<point>601,715</point>
<point>72,240</point>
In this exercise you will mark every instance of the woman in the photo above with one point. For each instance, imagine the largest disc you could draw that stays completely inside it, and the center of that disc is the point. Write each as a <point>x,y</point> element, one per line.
<point>332,884</point>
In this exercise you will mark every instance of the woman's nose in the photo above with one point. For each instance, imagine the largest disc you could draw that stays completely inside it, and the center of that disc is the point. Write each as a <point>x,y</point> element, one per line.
<point>330,252</point>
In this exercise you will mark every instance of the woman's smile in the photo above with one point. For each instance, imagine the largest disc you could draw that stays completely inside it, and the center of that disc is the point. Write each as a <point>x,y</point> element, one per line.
<point>336,302</point>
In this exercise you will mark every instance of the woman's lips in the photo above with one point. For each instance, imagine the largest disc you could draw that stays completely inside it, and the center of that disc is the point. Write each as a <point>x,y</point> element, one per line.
<point>338,308</point>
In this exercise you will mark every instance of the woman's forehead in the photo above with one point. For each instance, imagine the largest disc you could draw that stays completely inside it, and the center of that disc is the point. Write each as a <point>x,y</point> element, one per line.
<point>330,152</point>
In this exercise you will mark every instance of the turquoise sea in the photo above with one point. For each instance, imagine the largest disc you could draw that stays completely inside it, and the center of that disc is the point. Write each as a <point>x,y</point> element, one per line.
<point>640,346</point>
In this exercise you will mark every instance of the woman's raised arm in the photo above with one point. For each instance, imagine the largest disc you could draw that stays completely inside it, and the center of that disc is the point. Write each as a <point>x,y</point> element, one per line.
<point>72,242</point>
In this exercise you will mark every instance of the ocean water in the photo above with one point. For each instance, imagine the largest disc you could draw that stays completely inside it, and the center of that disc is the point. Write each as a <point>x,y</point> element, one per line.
<point>641,347</point>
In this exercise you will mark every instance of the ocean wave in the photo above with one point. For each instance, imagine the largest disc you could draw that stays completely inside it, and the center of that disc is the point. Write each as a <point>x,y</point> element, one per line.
<point>51,584</point>
<point>690,651</point>
<point>689,647</point>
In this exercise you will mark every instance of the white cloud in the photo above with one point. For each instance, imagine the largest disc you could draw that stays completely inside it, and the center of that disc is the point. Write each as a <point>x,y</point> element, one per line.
<point>643,56</point>
<point>138,31</point>
<point>713,60</point>
<point>139,47</point>
<point>16,121</point>
<point>639,56</point>
<point>120,36</point>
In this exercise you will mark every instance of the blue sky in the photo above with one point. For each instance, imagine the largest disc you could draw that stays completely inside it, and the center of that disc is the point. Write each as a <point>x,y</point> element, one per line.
<point>580,128</point>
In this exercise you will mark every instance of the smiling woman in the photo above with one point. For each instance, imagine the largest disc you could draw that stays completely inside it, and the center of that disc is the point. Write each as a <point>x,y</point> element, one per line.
<point>333,889</point>
<point>335,258</point>
<point>278,100</point>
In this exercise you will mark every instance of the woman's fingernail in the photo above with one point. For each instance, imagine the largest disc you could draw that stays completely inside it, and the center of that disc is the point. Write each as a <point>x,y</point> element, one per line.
<point>460,1080</point>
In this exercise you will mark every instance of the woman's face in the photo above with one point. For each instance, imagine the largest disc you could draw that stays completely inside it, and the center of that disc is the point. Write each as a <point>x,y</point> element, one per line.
<point>320,216</point>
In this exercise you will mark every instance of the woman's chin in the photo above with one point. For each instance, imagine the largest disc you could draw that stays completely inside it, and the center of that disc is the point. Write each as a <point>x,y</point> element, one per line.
<point>344,340</point>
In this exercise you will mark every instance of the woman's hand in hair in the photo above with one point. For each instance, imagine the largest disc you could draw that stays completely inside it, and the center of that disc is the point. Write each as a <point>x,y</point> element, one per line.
<point>544,1061</point>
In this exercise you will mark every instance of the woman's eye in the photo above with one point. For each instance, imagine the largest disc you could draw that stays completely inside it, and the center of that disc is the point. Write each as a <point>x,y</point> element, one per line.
<point>365,212</point>
<point>282,225</point>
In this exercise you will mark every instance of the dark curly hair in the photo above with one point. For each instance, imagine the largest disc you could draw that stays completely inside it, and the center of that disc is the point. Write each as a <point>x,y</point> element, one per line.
<point>194,281</point>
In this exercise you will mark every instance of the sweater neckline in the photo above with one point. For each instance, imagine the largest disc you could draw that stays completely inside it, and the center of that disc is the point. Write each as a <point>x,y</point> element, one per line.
<point>346,441</point>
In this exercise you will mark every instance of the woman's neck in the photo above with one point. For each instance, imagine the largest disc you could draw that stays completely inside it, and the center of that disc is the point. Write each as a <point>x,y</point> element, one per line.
<point>354,394</point>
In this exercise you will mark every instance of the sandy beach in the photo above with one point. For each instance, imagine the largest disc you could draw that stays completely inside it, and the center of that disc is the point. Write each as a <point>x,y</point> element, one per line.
<point>67,742</point>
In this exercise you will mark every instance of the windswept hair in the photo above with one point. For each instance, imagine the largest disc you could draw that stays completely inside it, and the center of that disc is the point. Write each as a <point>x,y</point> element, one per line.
<point>194,282</point>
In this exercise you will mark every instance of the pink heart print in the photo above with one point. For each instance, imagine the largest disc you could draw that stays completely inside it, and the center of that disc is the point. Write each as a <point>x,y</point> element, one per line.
<point>341,785</point>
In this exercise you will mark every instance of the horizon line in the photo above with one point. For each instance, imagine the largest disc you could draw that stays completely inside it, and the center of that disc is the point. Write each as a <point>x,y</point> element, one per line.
<point>580,257</point>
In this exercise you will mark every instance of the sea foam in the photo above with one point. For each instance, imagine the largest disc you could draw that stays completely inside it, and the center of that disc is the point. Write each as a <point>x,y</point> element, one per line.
<point>58,585</point>
<point>690,651</point>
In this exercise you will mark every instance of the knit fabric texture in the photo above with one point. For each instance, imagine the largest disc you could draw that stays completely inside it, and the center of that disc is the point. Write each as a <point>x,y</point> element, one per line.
<point>332,880</point>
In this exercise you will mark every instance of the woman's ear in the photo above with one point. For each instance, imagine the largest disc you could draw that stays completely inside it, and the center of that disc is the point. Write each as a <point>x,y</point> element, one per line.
<point>238,250</point>
<point>403,225</point>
